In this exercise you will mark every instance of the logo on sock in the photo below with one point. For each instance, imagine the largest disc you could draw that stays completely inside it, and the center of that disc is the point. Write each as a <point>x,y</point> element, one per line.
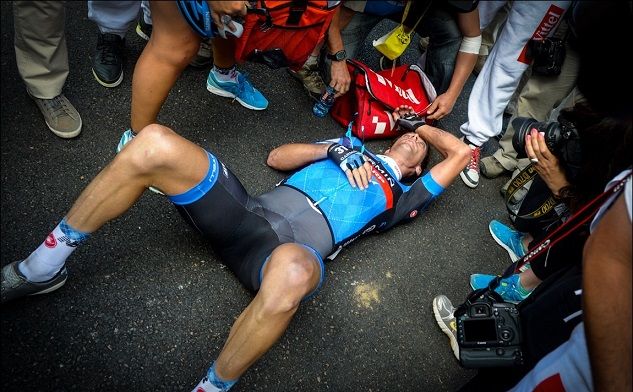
<point>69,241</point>
<point>50,242</point>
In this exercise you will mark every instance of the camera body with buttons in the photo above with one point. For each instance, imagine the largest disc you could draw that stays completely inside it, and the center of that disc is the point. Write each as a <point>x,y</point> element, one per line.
<point>488,332</point>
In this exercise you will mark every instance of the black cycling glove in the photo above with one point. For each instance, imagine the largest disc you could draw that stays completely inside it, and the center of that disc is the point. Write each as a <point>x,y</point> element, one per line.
<point>410,122</point>
<point>346,158</point>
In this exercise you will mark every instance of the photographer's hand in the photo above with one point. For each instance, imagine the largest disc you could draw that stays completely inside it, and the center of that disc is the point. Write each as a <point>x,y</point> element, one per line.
<point>545,163</point>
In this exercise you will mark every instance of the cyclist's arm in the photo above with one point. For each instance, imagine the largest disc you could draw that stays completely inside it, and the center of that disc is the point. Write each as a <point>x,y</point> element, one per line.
<point>295,155</point>
<point>455,152</point>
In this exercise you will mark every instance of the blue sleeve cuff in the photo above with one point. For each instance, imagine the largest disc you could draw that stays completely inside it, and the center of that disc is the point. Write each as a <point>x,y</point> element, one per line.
<point>433,187</point>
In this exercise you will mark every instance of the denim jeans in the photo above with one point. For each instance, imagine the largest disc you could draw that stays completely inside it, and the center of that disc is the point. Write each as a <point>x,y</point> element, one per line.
<point>439,25</point>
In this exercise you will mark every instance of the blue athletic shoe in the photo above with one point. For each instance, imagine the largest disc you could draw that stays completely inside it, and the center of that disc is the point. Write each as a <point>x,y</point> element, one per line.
<point>242,90</point>
<point>125,139</point>
<point>509,239</point>
<point>510,289</point>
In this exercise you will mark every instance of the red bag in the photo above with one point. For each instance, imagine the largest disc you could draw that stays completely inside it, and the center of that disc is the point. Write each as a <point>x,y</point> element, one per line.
<point>374,95</point>
<point>283,33</point>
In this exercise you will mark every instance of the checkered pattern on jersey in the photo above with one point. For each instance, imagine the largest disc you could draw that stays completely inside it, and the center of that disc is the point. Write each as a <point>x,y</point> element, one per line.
<point>347,209</point>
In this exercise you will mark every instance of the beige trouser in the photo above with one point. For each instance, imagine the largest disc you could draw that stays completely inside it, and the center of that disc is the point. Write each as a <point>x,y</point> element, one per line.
<point>40,46</point>
<point>540,95</point>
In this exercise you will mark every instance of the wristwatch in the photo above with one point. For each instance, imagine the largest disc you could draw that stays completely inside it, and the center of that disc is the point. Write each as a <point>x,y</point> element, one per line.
<point>338,56</point>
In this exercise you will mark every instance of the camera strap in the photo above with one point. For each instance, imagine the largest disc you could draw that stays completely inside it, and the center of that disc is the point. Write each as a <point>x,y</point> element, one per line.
<point>519,181</point>
<point>578,219</point>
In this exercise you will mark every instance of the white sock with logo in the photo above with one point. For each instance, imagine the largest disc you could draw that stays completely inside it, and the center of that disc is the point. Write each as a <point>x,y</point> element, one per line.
<point>206,386</point>
<point>49,258</point>
<point>225,74</point>
<point>213,383</point>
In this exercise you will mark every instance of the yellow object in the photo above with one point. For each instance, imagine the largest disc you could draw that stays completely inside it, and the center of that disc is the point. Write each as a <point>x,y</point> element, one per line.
<point>395,42</point>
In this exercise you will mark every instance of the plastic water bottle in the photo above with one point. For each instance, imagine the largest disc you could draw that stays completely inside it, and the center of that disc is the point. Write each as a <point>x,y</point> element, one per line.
<point>323,106</point>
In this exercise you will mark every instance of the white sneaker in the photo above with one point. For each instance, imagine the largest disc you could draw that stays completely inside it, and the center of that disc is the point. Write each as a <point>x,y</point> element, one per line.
<point>470,174</point>
<point>444,315</point>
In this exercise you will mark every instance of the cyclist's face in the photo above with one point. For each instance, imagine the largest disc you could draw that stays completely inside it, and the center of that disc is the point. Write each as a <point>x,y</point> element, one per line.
<point>411,148</point>
<point>409,151</point>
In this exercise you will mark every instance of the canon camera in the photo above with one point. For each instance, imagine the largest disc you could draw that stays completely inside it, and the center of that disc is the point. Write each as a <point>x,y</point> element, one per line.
<point>488,332</point>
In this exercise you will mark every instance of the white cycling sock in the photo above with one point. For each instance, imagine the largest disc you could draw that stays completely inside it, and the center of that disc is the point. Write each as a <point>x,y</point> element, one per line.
<point>50,256</point>
<point>225,74</point>
<point>205,386</point>
<point>213,383</point>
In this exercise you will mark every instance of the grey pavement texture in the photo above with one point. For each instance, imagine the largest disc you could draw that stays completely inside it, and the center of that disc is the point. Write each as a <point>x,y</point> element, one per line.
<point>148,305</point>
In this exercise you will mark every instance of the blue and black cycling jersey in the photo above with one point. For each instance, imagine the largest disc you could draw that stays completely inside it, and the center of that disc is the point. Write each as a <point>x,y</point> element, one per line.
<point>350,211</point>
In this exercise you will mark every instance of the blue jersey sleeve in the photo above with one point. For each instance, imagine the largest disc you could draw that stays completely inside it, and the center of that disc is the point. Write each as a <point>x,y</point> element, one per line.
<point>416,198</point>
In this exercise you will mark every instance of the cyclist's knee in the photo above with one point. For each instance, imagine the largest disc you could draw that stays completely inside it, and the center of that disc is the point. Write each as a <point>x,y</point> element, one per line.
<point>291,273</point>
<point>153,147</point>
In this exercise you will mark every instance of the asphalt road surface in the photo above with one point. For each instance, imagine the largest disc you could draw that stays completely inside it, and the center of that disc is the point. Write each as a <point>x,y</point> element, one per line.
<point>148,305</point>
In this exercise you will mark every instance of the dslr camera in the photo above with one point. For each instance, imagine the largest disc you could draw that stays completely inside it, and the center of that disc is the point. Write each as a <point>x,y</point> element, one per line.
<point>561,137</point>
<point>488,332</point>
<point>548,55</point>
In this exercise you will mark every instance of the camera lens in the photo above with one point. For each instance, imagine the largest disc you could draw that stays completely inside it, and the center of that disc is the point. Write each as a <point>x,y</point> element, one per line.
<point>523,125</point>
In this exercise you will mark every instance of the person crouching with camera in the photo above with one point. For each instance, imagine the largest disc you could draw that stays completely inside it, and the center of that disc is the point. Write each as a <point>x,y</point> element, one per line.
<point>505,329</point>
<point>551,190</point>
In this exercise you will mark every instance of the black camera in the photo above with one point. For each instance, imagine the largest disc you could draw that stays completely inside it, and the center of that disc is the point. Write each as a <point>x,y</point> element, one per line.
<point>561,138</point>
<point>488,332</point>
<point>548,55</point>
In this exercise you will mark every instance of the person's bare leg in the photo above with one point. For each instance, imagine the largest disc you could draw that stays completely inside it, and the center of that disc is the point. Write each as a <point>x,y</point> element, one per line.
<point>527,238</point>
<point>171,47</point>
<point>291,273</point>
<point>529,280</point>
<point>157,156</point>
<point>223,52</point>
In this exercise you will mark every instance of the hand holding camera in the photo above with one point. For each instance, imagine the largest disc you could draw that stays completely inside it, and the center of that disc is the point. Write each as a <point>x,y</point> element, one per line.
<point>553,149</point>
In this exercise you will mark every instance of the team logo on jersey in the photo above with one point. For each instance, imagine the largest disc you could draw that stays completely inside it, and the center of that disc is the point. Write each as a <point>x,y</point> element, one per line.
<point>50,242</point>
<point>413,214</point>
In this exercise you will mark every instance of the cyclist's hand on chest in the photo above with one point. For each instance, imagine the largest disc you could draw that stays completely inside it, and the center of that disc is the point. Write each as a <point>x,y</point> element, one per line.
<point>353,163</point>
